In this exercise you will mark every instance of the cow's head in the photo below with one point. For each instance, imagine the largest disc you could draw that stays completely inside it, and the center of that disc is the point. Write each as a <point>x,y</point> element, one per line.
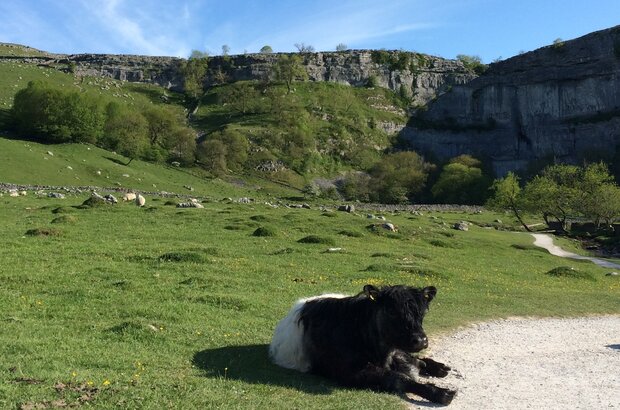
<point>399,314</point>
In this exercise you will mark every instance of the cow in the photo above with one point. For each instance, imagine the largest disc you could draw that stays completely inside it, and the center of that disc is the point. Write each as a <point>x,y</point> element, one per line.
<point>363,341</point>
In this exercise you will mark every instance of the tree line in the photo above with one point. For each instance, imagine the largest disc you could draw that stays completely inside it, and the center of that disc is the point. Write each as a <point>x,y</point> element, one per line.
<point>56,115</point>
<point>559,193</point>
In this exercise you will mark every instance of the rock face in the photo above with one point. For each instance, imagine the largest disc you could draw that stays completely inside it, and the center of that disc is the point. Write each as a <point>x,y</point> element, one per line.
<point>561,101</point>
<point>421,77</point>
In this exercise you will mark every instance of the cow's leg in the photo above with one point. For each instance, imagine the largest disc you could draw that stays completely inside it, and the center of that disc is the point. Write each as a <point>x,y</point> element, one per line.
<point>382,379</point>
<point>433,368</point>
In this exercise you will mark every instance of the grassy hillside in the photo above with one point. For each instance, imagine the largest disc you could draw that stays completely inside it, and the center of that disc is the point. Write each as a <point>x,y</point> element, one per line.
<point>335,126</point>
<point>161,307</point>
<point>29,163</point>
<point>15,75</point>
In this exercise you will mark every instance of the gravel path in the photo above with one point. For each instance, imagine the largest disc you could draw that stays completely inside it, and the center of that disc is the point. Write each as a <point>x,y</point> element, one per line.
<point>533,364</point>
<point>546,241</point>
<point>524,363</point>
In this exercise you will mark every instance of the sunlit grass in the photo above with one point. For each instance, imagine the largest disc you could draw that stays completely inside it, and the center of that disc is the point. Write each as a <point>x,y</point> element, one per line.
<point>163,307</point>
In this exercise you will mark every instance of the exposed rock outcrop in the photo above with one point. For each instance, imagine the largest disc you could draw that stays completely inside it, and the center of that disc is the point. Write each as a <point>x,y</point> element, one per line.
<point>421,77</point>
<point>560,101</point>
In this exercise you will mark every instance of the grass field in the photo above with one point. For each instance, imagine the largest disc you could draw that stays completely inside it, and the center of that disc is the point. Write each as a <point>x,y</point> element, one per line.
<point>158,307</point>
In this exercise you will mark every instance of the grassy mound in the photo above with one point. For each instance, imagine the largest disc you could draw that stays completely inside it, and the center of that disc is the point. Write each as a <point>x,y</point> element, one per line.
<point>315,239</point>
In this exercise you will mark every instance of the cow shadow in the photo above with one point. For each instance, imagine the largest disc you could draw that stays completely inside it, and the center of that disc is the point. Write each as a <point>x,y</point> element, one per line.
<point>251,364</point>
<point>615,347</point>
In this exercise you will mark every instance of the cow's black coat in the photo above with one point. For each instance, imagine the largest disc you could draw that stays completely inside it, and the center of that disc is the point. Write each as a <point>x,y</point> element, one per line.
<point>366,340</point>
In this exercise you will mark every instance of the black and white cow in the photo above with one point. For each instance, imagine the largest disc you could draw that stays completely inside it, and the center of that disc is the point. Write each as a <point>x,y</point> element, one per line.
<point>362,341</point>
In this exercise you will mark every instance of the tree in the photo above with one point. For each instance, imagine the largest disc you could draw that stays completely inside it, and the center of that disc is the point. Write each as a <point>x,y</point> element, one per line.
<point>126,131</point>
<point>57,115</point>
<point>398,177</point>
<point>225,50</point>
<point>194,73</point>
<point>212,155</point>
<point>304,48</point>
<point>240,95</point>
<point>197,54</point>
<point>461,184</point>
<point>472,63</point>
<point>181,145</point>
<point>161,121</point>
<point>266,49</point>
<point>342,47</point>
<point>507,195</point>
<point>236,147</point>
<point>288,69</point>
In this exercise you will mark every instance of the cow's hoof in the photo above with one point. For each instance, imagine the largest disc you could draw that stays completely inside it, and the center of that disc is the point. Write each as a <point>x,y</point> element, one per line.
<point>445,396</point>
<point>434,369</point>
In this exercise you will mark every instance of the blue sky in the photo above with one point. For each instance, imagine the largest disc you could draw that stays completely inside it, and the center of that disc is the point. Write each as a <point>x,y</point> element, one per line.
<point>487,28</point>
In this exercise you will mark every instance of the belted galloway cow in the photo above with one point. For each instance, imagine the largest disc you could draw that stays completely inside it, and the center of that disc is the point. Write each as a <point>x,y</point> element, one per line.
<point>364,341</point>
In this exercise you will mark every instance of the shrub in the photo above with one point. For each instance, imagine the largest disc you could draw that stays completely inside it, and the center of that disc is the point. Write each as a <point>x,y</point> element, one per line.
<point>351,234</point>
<point>315,239</point>
<point>264,231</point>
<point>568,272</point>
<point>64,219</point>
<point>43,232</point>
<point>190,257</point>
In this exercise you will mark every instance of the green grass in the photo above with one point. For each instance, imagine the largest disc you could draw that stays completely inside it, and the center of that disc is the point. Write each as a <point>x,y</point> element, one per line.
<point>166,308</point>
<point>25,162</point>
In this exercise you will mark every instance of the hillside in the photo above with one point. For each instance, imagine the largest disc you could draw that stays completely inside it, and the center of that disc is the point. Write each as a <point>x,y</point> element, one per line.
<point>318,129</point>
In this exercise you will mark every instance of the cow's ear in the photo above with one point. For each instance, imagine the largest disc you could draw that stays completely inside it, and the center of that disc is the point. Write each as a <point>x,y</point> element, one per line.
<point>429,293</point>
<point>371,292</point>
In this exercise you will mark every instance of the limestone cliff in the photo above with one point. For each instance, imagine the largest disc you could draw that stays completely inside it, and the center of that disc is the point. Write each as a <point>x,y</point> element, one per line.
<point>560,101</point>
<point>420,76</point>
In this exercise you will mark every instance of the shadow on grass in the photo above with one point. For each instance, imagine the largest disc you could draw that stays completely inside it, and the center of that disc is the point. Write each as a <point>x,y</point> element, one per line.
<point>251,364</point>
<point>116,161</point>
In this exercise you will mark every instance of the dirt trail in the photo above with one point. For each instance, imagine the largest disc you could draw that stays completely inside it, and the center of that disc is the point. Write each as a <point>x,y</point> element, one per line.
<point>546,242</point>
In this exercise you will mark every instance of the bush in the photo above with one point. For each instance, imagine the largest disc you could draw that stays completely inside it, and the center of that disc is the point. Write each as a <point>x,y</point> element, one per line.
<point>43,232</point>
<point>568,272</point>
<point>315,239</point>
<point>191,257</point>
<point>264,231</point>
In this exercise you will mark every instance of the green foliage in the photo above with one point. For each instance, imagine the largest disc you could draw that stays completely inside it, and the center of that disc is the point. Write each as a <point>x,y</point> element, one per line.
<point>211,154</point>
<point>266,49</point>
<point>341,47</point>
<point>560,192</point>
<point>241,96</point>
<point>356,186</point>
<point>316,239</point>
<point>462,182</point>
<point>570,272</point>
<point>289,69</point>
<point>398,177</point>
<point>57,115</point>
<point>472,63</point>
<point>194,72</point>
<point>264,231</point>
<point>394,60</point>
<point>235,148</point>
<point>126,131</point>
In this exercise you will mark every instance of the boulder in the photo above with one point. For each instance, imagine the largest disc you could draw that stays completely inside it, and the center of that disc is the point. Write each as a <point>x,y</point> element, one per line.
<point>346,208</point>
<point>461,226</point>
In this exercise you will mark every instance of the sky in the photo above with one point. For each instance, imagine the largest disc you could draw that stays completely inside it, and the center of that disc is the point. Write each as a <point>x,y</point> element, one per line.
<point>490,29</point>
